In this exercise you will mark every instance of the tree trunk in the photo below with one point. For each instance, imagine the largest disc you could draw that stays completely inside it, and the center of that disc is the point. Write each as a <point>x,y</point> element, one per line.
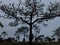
<point>30,38</point>
<point>31,35</point>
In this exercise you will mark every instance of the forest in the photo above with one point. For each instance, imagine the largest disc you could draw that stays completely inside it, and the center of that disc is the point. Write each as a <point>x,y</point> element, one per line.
<point>31,13</point>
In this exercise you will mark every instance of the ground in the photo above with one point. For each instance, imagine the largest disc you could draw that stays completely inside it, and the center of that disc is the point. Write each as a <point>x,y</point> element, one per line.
<point>21,43</point>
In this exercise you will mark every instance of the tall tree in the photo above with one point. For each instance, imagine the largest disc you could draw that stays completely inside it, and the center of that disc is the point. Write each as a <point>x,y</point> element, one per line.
<point>31,13</point>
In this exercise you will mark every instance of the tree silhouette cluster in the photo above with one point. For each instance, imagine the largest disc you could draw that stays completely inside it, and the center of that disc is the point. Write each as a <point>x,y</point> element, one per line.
<point>31,13</point>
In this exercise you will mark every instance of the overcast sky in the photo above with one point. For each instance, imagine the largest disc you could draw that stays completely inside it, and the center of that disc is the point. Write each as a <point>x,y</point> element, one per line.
<point>47,31</point>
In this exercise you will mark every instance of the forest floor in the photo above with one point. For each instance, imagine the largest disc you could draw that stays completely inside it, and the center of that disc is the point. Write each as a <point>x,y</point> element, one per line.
<point>21,43</point>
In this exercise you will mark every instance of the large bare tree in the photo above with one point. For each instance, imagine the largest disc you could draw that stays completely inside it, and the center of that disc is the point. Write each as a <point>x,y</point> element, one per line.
<point>31,13</point>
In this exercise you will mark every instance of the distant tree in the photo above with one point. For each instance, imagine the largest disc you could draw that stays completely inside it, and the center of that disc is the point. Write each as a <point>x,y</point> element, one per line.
<point>17,37</point>
<point>17,34</point>
<point>53,39</point>
<point>9,39</point>
<point>39,38</point>
<point>47,39</point>
<point>31,12</point>
<point>37,31</point>
<point>56,32</point>
<point>22,30</point>
<point>4,33</point>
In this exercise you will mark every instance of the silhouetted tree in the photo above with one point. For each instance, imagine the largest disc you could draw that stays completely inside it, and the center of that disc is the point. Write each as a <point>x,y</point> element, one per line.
<point>9,39</point>
<point>47,38</point>
<point>31,13</point>
<point>18,38</point>
<point>56,32</point>
<point>4,33</point>
<point>53,39</point>
<point>24,31</point>
<point>36,30</point>
<point>17,34</point>
<point>39,38</point>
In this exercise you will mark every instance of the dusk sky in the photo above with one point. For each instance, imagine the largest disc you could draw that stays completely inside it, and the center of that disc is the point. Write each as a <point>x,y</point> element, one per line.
<point>47,31</point>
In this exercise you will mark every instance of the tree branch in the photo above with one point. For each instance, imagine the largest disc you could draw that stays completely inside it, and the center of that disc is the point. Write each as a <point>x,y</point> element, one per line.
<point>24,21</point>
<point>38,19</point>
<point>46,17</point>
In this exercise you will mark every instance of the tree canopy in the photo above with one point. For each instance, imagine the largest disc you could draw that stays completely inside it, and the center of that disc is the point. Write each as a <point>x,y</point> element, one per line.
<point>30,12</point>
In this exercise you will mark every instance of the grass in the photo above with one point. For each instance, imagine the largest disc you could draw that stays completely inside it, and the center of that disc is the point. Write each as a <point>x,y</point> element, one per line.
<point>35,43</point>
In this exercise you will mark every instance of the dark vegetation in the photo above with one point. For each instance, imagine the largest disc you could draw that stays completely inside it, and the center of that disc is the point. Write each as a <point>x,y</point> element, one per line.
<point>10,43</point>
<point>40,41</point>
